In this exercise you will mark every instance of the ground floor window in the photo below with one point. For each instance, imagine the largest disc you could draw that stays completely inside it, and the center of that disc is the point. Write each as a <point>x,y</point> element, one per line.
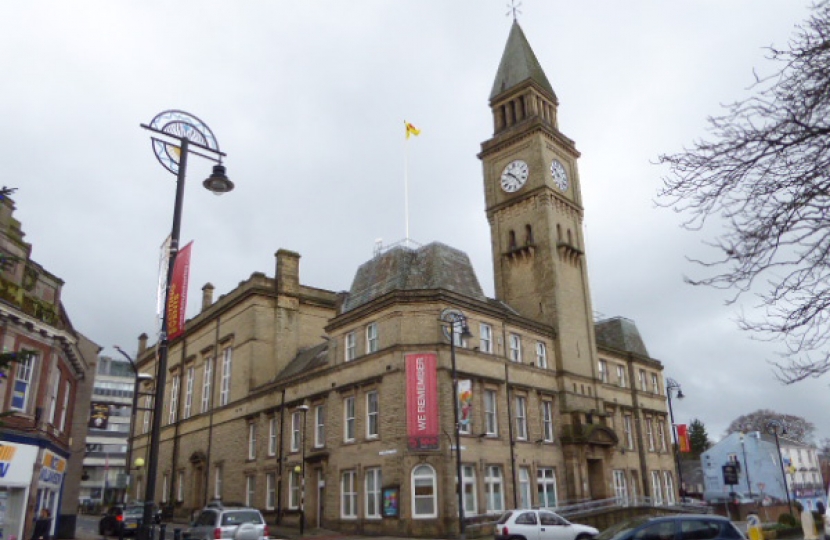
<point>270,491</point>
<point>468,474</point>
<point>620,488</point>
<point>494,489</point>
<point>250,489</point>
<point>348,495</point>
<point>668,483</point>
<point>373,500</point>
<point>524,487</point>
<point>657,492</point>
<point>424,503</point>
<point>546,487</point>
<point>293,489</point>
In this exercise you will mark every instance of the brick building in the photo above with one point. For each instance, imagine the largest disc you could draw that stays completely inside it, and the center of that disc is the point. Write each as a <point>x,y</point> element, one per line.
<point>276,381</point>
<point>45,396</point>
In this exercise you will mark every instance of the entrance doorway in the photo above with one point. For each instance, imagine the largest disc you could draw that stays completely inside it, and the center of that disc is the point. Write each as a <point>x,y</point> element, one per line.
<point>596,479</point>
<point>321,486</point>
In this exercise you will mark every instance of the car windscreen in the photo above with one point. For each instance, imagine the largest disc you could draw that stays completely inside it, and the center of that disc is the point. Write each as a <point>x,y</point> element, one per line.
<point>242,516</point>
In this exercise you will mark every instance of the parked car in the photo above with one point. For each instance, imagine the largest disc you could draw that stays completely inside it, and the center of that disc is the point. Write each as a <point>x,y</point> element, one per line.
<point>119,518</point>
<point>540,525</point>
<point>140,504</point>
<point>676,527</point>
<point>217,521</point>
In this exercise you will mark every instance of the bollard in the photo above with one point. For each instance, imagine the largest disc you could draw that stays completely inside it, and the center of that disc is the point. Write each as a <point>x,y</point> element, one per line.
<point>753,527</point>
<point>177,534</point>
<point>162,529</point>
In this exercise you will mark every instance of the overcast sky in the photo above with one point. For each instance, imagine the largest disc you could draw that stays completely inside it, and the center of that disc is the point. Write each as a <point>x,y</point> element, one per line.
<point>308,100</point>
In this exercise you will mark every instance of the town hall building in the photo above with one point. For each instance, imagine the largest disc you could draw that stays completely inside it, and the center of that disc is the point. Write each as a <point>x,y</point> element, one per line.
<point>289,397</point>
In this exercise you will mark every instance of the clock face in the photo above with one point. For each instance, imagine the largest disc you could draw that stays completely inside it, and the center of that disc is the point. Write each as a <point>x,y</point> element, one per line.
<point>560,177</point>
<point>514,176</point>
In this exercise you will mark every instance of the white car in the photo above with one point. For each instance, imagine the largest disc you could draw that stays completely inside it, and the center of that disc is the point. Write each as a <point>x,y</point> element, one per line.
<point>540,525</point>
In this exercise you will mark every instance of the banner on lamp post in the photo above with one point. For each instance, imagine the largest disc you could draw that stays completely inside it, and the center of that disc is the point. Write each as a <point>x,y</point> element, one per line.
<point>683,438</point>
<point>177,303</point>
<point>465,402</point>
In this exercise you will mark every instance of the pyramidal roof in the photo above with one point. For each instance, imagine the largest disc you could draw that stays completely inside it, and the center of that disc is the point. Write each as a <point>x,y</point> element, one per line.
<point>518,64</point>
<point>621,334</point>
<point>434,266</point>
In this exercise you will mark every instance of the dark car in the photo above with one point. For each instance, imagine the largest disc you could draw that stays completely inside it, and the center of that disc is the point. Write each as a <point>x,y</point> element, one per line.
<point>678,527</point>
<point>120,519</point>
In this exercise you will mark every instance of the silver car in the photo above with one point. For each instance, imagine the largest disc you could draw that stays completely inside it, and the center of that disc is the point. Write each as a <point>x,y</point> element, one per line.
<point>217,522</point>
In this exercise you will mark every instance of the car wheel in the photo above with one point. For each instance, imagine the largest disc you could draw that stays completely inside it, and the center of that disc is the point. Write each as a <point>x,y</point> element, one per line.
<point>583,537</point>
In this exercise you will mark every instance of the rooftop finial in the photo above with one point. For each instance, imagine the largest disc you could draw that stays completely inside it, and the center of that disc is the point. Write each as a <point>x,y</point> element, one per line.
<point>513,7</point>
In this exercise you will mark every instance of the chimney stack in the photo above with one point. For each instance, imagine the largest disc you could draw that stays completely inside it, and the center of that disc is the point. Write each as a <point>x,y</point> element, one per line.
<point>142,344</point>
<point>207,296</point>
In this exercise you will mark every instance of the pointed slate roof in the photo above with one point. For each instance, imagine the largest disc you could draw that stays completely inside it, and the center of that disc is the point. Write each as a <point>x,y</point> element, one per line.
<point>621,334</point>
<point>518,64</point>
<point>434,266</point>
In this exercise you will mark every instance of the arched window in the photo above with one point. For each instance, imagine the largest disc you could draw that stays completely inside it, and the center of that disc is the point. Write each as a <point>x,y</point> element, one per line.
<point>528,235</point>
<point>424,493</point>
<point>511,240</point>
<point>559,232</point>
<point>570,240</point>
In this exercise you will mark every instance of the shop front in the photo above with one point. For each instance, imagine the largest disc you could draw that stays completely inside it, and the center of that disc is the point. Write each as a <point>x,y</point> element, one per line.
<point>17,463</point>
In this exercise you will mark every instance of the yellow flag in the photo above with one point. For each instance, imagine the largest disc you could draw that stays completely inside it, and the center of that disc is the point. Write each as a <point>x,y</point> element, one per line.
<point>411,130</point>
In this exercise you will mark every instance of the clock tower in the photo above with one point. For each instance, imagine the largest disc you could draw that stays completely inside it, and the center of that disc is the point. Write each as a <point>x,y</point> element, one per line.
<point>534,207</point>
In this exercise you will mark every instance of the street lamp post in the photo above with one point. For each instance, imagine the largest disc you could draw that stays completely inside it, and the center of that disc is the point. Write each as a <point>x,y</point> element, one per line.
<point>139,378</point>
<point>746,467</point>
<point>185,130</point>
<point>773,426</point>
<point>455,318</point>
<point>671,387</point>
<point>304,409</point>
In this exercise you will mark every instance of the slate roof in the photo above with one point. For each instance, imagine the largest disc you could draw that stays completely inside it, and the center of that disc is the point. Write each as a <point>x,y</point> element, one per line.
<point>434,266</point>
<point>621,334</point>
<point>518,64</point>
<point>306,360</point>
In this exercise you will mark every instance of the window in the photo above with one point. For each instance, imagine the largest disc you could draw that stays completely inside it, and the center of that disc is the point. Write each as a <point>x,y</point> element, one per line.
<point>54,389</point>
<point>546,487</point>
<point>23,383</point>
<point>270,491</point>
<point>620,489</point>
<point>541,355</point>
<point>547,421</point>
<point>603,371</point>
<point>250,489</point>
<point>319,426</point>
<point>373,498</point>
<point>486,338</point>
<point>145,425</point>
<point>657,492</point>
<point>348,419</point>
<point>188,392</point>
<point>424,504</point>
<point>524,487</point>
<point>372,415</point>
<point>490,412</point>
<point>668,483</point>
<point>493,489</point>
<point>351,346</point>
<point>251,441</point>
<point>661,434</point>
<point>515,348</point>
<point>372,338</point>
<point>468,478</point>
<point>272,436</point>
<point>655,384</point>
<point>174,399</point>
<point>699,529</point>
<point>225,388</point>
<point>643,381</point>
<point>67,389</point>
<point>165,487</point>
<point>294,482</point>
<point>296,430</point>
<point>650,434</point>
<point>207,383</point>
<point>621,376</point>
<point>348,495</point>
<point>180,487</point>
<point>629,435</point>
<point>521,418</point>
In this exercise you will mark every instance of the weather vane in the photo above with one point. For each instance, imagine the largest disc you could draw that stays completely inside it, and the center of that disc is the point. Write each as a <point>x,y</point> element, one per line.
<point>513,7</point>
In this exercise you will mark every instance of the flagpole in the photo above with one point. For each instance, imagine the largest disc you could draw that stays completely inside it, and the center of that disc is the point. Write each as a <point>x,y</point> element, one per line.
<point>406,188</point>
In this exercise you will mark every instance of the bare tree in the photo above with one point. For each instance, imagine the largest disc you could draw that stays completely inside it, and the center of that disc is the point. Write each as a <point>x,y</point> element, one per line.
<point>798,429</point>
<point>764,174</point>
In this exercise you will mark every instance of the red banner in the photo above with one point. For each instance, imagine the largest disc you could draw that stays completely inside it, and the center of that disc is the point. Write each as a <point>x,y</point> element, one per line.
<point>177,303</point>
<point>683,438</point>
<point>422,401</point>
